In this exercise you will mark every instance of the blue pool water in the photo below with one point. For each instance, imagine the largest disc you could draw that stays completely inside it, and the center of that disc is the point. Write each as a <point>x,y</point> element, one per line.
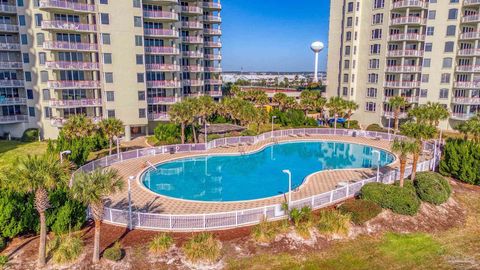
<point>257,175</point>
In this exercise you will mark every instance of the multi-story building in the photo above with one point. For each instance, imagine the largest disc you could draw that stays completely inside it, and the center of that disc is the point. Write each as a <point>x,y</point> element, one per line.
<point>421,50</point>
<point>129,59</point>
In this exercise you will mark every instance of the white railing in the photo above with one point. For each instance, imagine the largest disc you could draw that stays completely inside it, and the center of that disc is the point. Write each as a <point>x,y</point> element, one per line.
<point>213,221</point>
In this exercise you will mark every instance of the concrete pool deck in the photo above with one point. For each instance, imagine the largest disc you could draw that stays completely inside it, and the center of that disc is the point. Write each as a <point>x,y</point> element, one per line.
<point>143,200</point>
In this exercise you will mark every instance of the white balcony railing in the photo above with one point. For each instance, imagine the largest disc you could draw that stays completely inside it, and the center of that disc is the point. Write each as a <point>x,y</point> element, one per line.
<point>10,46</point>
<point>192,69</point>
<point>163,67</point>
<point>72,65</point>
<point>12,83</point>
<point>466,100</point>
<point>470,35</point>
<point>192,10</point>
<point>19,118</point>
<point>408,20</point>
<point>213,69</point>
<point>469,52</point>
<point>408,36</point>
<point>193,82</point>
<point>164,84</point>
<point>161,32</point>
<point>74,84</point>
<point>212,32</point>
<point>212,57</point>
<point>406,69</point>
<point>213,82</point>
<point>471,18</point>
<point>473,85</point>
<point>192,25</point>
<point>162,50</point>
<point>12,100</point>
<point>212,19</point>
<point>60,121</point>
<point>163,100</point>
<point>5,27</point>
<point>471,2</point>
<point>76,103</point>
<point>403,84</point>
<point>158,116</point>
<point>193,54</point>
<point>196,40</point>
<point>410,4</point>
<point>414,99</point>
<point>60,45</point>
<point>213,44</point>
<point>212,5</point>
<point>11,65</point>
<point>150,14</point>
<point>462,116</point>
<point>387,114</point>
<point>405,53</point>
<point>71,26</point>
<point>8,8</point>
<point>214,93</point>
<point>469,68</point>
<point>70,5</point>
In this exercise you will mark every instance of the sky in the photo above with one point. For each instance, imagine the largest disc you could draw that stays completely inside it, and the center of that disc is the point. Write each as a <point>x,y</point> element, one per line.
<point>273,35</point>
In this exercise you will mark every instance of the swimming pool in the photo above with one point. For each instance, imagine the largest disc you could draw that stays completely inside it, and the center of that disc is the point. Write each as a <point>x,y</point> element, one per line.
<point>256,175</point>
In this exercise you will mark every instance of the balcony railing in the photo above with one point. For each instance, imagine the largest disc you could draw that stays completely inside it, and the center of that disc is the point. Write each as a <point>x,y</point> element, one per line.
<point>408,99</point>
<point>470,35</point>
<point>60,121</point>
<point>406,69</point>
<point>60,45</point>
<point>10,46</point>
<point>213,82</point>
<point>72,65</point>
<point>161,32</point>
<point>471,2</point>
<point>402,84</point>
<point>192,10</point>
<point>212,19</point>
<point>214,93</point>
<point>470,68</point>
<point>409,20</point>
<point>19,118</point>
<point>212,5</point>
<point>213,69</point>
<point>474,85</point>
<point>163,100</point>
<point>193,82</point>
<point>162,15</point>
<point>163,67</point>
<point>213,57</point>
<point>402,115</point>
<point>164,84</point>
<point>162,50</point>
<point>61,4</point>
<point>409,36</point>
<point>466,100</point>
<point>192,69</point>
<point>5,27</point>
<point>158,116</point>
<point>213,44</point>
<point>471,18</point>
<point>8,8</point>
<point>11,65</point>
<point>11,83</point>
<point>212,32</point>
<point>410,4</point>
<point>463,116</point>
<point>74,84</point>
<point>195,40</point>
<point>469,52</point>
<point>70,26</point>
<point>405,53</point>
<point>12,100</point>
<point>76,103</point>
<point>192,25</point>
<point>193,54</point>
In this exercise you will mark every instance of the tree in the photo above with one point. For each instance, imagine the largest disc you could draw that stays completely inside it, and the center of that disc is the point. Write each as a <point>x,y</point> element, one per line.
<point>404,148</point>
<point>92,189</point>
<point>281,100</point>
<point>111,127</point>
<point>38,175</point>
<point>419,114</point>
<point>181,113</point>
<point>350,106</point>
<point>312,101</point>
<point>78,126</point>
<point>397,103</point>
<point>420,133</point>
<point>336,106</point>
<point>436,112</point>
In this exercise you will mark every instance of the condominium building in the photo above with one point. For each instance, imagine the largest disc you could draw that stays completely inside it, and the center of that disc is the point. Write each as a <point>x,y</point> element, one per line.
<point>421,50</point>
<point>129,59</point>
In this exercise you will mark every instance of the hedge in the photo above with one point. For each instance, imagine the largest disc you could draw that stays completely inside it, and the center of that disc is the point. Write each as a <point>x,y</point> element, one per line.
<point>360,211</point>
<point>400,200</point>
<point>461,160</point>
<point>432,188</point>
<point>114,253</point>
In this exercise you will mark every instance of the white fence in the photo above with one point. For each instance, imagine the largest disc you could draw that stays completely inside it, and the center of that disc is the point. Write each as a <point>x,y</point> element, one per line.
<point>245,217</point>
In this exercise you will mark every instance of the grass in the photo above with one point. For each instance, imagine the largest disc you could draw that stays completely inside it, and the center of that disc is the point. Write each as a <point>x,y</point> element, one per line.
<point>202,247</point>
<point>161,243</point>
<point>11,150</point>
<point>265,232</point>
<point>332,222</point>
<point>65,249</point>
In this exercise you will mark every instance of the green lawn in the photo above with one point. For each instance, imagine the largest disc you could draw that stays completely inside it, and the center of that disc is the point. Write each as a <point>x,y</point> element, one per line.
<point>11,150</point>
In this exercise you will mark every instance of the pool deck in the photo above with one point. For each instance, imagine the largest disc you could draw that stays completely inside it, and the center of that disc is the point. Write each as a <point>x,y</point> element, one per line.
<point>144,200</point>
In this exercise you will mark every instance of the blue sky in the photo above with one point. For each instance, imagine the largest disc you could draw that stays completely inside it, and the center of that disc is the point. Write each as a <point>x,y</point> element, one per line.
<point>273,35</point>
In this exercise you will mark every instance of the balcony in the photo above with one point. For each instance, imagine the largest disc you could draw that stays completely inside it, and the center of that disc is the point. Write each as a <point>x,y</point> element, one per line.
<point>74,84</point>
<point>192,40</point>
<point>470,68</point>
<point>8,9</point>
<point>410,4</point>
<point>402,84</point>
<point>214,93</point>
<point>66,5</point>
<point>212,32</point>
<point>12,119</point>
<point>165,33</point>
<point>213,82</point>
<point>160,15</point>
<point>471,19</point>
<point>212,5</point>
<point>213,44</point>
<point>402,115</point>
<point>192,69</point>
<point>466,100</point>
<point>407,37</point>
<point>63,65</point>
<point>162,50</point>
<point>10,46</point>
<point>158,116</point>
<point>70,46</point>
<point>164,84</point>
<point>11,83</point>
<point>163,100</point>
<point>12,100</point>
<point>213,57</point>
<point>462,116</point>
<point>60,103</point>
<point>469,52</point>
<point>191,10</point>
<point>470,35</point>
<point>68,26</point>
<point>404,69</point>
<point>213,69</point>
<point>5,27</point>
<point>470,85</point>
<point>162,67</point>
<point>212,19</point>
<point>192,54</point>
<point>405,53</point>
<point>408,20</point>
<point>192,25</point>
<point>60,121</point>
<point>193,83</point>
<point>408,99</point>
<point>11,65</point>
<point>471,2</point>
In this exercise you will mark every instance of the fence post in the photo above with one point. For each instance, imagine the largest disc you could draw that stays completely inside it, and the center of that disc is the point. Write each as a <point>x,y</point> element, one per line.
<point>313,201</point>
<point>204,221</point>
<point>236,218</point>
<point>331,196</point>
<point>265,212</point>
<point>170,222</point>
<point>138,217</point>
<point>110,211</point>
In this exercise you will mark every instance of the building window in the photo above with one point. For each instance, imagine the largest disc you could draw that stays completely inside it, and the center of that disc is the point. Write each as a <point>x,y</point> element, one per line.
<point>379,4</point>
<point>445,78</point>
<point>48,112</point>
<point>104,2</point>
<point>452,14</point>
<point>104,18</point>
<point>107,58</point>
<point>106,39</point>
<point>428,47</point>
<point>374,63</point>
<point>110,96</point>
<point>451,30</point>
<point>108,77</point>
<point>426,62</point>
<point>31,111</point>
<point>139,59</point>
<point>376,33</point>
<point>372,92</point>
<point>142,113</point>
<point>430,31</point>
<point>28,76</point>
<point>46,94</point>
<point>443,93</point>
<point>21,20</point>
<point>425,78</point>
<point>138,40</point>
<point>375,48</point>
<point>432,14</point>
<point>29,94</point>
<point>447,62</point>
<point>136,4</point>
<point>449,46</point>
<point>370,106</point>
<point>111,113</point>
<point>423,93</point>
<point>137,21</point>
<point>44,76</point>
<point>345,91</point>
<point>140,77</point>
<point>38,20</point>
<point>24,39</point>
<point>26,58</point>
<point>141,95</point>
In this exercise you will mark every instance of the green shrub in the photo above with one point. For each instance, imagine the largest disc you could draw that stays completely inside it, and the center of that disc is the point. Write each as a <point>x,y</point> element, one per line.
<point>3,261</point>
<point>248,132</point>
<point>202,247</point>
<point>114,253</point>
<point>360,211</point>
<point>168,133</point>
<point>3,243</point>
<point>333,222</point>
<point>376,127</point>
<point>30,135</point>
<point>400,200</point>
<point>17,214</point>
<point>265,232</point>
<point>432,188</point>
<point>161,243</point>
<point>353,124</point>
<point>65,214</point>
<point>213,137</point>
<point>66,248</point>
<point>461,160</point>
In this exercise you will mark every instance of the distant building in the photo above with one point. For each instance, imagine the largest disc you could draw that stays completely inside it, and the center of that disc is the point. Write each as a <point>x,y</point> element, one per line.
<point>296,79</point>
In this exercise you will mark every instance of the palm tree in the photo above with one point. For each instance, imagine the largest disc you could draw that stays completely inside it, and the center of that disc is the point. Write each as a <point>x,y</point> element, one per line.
<point>180,113</point>
<point>78,126</point>
<point>404,148</point>
<point>463,128</point>
<point>39,175</point>
<point>92,189</point>
<point>436,112</point>
<point>336,106</point>
<point>350,106</point>
<point>397,103</point>
<point>419,114</point>
<point>420,133</point>
<point>281,100</point>
<point>111,127</point>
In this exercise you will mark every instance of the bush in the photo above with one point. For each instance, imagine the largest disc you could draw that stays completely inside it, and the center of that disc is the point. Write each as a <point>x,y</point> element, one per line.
<point>400,200</point>
<point>3,261</point>
<point>461,160</point>
<point>168,133</point>
<point>265,232</point>
<point>114,253</point>
<point>333,222</point>
<point>65,214</point>
<point>161,243</point>
<point>17,214</point>
<point>66,248</point>
<point>248,132</point>
<point>360,211</point>
<point>353,124</point>
<point>377,128</point>
<point>3,243</point>
<point>432,188</point>
<point>30,135</point>
<point>202,247</point>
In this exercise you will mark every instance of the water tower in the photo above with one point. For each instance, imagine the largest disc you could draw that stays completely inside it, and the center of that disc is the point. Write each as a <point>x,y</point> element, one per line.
<point>316,47</point>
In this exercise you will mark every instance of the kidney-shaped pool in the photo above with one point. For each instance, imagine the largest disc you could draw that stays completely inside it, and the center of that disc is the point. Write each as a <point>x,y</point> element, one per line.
<point>256,175</point>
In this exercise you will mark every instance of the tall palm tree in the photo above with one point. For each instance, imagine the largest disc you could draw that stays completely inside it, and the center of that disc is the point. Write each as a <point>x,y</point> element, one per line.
<point>350,106</point>
<point>92,189</point>
<point>420,133</point>
<point>180,113</point>
<point>404,148</point>
<point>111,127</point>
<point>436,112</point>
<point>309,100</point>
<point>397,103</point>
<point>463,128</point>
<point>419,113</point>
<point>336,106</point>
<point>78,126</point>
<point>281,100</point>
<point>39,175</point>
